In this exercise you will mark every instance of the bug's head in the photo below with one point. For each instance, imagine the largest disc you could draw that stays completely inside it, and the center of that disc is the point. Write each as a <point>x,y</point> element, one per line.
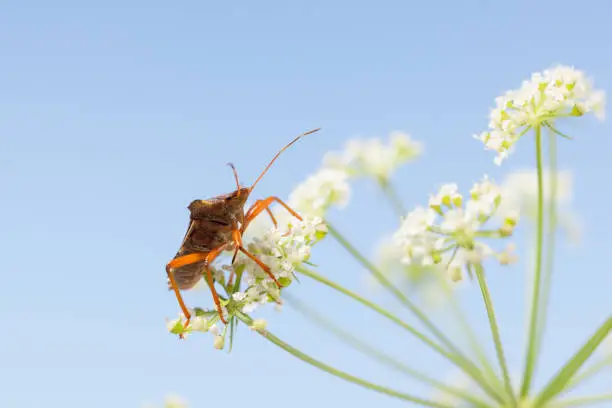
<point>236,200</point>
<point>230,203</point>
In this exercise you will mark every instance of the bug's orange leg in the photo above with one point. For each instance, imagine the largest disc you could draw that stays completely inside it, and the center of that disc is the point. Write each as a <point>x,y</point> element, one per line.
<point>211,283</point>
<point>177,263</point>
<point>237,238</point>
<point>256,205</point>
<point>272,217</point>
<point>261,205</point>
<point>262,265</point>
<point>230,281</point>
<point>188,260</point>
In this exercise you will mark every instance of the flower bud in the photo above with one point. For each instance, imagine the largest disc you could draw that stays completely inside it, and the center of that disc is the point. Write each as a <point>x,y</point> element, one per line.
<point>259,324</point>
<point>219,342</point>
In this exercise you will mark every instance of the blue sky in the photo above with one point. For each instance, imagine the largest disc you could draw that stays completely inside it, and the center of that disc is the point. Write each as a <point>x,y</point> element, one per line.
<point>115,115</point>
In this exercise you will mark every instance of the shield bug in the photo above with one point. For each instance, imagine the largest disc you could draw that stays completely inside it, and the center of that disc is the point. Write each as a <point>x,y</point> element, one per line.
<point>217,225</point>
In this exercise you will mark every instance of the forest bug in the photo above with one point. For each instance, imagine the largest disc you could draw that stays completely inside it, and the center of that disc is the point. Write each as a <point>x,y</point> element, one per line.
<point>216,225</point>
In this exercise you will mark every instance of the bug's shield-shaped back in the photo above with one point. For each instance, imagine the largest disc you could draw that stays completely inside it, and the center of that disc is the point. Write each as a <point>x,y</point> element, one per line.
<point>210,227</point>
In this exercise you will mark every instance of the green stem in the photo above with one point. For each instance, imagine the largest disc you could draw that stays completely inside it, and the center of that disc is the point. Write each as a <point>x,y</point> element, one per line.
<point>580,401</point>
<point>466,366</point>
<point>486,296</point>
<point>588,373</point>
<point>338,373</point>
<point>373,352</point>
<point>559,382</point>
<point>473,340</point>
<point>530,357</point>
<point>551,221</point>
<point>391,193</point>
<point>396,292</point>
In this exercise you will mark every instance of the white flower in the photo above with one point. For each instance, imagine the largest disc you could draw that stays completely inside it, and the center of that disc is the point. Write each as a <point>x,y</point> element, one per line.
<point>414,238</point>
<point>219,342</point>
<point>451,235</point>
<point>553,94</point>
<point>521,187</point>
<point>447,196</point>
<point>462,220</point>
<point>371,157</point>
<point>281,249</point>
<point>326,188</point>
<point>431,288</point>
<point>199,323</point>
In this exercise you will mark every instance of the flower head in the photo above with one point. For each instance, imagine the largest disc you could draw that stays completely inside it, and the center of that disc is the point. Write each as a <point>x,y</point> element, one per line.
<point>279,250</point>
<point>325,188</point>
<point>550,95</point>
<point>450,233</point>
<point>430,288</point>
<point>374,158</point>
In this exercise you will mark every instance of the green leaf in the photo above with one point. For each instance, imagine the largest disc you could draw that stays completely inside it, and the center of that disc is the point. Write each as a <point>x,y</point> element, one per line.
<point>319,235</point>
<point>178,328</point>
<point>563,377</point>
<point>232,332</point>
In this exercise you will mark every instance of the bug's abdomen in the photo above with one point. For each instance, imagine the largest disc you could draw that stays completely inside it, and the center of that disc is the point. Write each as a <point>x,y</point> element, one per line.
<point>187,276</point>
<point>208,235</point>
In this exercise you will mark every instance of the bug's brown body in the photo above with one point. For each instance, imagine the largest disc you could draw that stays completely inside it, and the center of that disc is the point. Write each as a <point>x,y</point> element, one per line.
<point>217,225</point>
<point>211,223</point>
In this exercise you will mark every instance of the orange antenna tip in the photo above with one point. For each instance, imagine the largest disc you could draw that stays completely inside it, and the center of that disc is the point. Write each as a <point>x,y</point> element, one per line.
<point>279,153</point>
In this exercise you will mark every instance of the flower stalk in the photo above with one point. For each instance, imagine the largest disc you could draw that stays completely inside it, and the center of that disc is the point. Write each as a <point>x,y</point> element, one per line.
<point>551,224</point>
<point>468,367</point>
<point>381,357</point>
<point>382,279</point>
<point>486,296</point>
<point>530,358</point>
<point>563,377</point>
<point>336,372</point>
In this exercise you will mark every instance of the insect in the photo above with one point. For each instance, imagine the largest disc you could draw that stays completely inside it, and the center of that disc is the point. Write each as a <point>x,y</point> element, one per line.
<point>216,225</point>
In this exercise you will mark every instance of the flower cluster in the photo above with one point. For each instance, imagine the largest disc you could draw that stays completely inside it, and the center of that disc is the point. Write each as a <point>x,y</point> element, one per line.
<point>450,231</point>
<point>555,93</point>
<point>325,188</point>
<point>372,157</point>
<point>281,249</point>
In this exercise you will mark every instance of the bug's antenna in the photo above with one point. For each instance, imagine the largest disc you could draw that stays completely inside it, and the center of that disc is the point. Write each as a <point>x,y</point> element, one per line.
<point>235,175</point>
<point>279,153</point>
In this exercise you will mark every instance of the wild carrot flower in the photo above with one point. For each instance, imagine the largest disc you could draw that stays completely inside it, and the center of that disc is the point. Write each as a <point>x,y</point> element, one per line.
<point>371,157</point>
<point>324,189</point>
<point>429,287</point>
<point>556,93</point>
<point>451,231</point>
<point>281,249</point>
